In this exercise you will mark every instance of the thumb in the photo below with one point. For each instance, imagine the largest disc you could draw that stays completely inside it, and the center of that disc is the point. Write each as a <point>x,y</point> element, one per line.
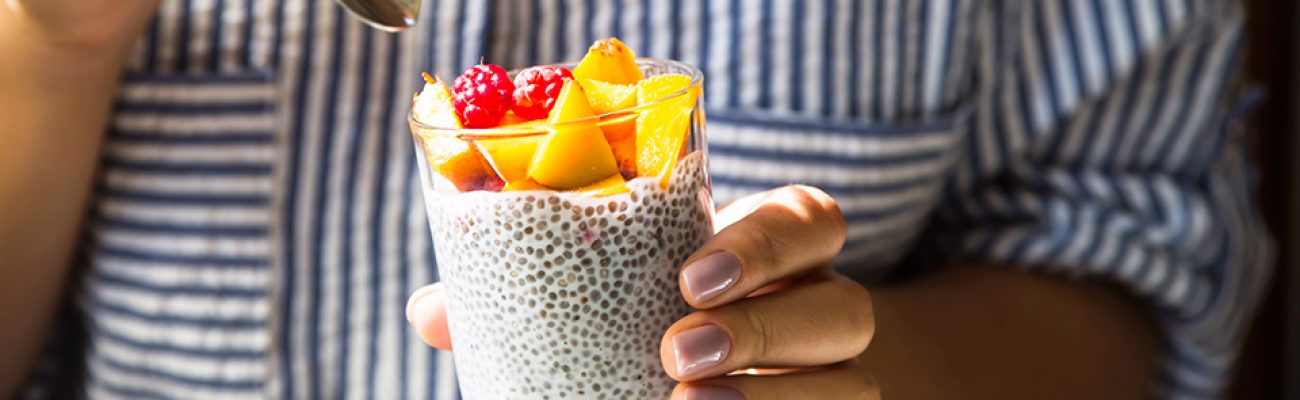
<point>426,311</point>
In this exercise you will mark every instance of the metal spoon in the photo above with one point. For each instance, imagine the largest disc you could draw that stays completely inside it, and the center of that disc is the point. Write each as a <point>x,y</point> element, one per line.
<point>385,15</point>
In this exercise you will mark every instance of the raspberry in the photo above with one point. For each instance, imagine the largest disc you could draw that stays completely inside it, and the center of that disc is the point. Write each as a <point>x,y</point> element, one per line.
<point>536,89</point>
<point>482,95</point>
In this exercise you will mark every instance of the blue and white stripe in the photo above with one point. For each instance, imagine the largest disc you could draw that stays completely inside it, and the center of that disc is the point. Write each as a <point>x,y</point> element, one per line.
<point>257,227</point>
<point>177,296</point>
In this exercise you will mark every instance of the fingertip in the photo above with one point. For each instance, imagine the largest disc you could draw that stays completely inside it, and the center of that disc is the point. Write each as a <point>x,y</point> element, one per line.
<point>427,313</point>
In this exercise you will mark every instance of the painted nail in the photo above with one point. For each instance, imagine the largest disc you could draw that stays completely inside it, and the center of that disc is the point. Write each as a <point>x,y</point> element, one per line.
<point>419,294</point>
<point>713,393</point>
<point>700,348</point>
<point>711,275</point>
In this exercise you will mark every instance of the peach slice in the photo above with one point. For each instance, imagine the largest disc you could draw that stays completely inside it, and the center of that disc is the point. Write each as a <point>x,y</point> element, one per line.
<point>614,184</point>
<point>661,128</point>
<point>573,154</point>
<point>608,97</point>
<point>620,132</point>
<point>609,60</point>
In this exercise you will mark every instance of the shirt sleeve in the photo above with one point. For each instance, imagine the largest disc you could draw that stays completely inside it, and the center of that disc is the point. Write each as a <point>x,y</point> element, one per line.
<point>1103,146</point>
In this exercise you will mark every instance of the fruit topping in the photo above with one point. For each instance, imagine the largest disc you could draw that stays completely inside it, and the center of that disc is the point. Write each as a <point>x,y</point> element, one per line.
<point>572,154</point>
<point>620,132</point>
<point>433,106</point>
<point>536,89</point>
<point>662,126</point>
<point>614,184</point>
<point>609,60</point>
<point>483,95</point>
<point>526,184</point>
<point>510,156</point>
<point>608,97</point>
<point>447,155</point>
<point>545,134</point>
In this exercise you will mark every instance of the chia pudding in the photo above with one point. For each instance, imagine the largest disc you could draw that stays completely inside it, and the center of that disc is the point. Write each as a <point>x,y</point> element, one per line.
<point>563,295</point>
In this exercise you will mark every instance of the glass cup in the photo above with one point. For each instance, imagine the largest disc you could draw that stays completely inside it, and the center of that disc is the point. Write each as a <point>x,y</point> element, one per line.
<point>567,294</point>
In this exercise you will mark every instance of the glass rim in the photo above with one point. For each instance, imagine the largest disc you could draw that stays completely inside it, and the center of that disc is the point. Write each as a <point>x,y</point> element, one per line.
<point>697,79</point>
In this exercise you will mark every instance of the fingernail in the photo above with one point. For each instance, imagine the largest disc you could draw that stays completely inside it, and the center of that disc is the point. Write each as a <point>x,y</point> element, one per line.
<point>713,393</point>
<point>415,298</point>
<point>711,275</point>
<point>700,348</point>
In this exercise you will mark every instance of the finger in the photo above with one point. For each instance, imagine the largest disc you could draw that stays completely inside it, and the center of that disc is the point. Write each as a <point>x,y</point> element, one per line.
<point>818,323</point>
<point>788,232</point>
<point>845,381</point>
<point>426,311</point>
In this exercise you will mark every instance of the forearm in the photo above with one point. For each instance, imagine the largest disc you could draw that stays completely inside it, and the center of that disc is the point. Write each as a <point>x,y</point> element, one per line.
<point>54,103</point>
<point>993,333</point>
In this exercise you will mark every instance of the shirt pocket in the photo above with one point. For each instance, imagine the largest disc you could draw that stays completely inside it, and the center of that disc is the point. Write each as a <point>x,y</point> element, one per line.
<point>885,176</point>
<point>177,290</point>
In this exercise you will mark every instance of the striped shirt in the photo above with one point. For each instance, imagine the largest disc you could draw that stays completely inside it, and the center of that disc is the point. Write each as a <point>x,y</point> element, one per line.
<point>258,224</point>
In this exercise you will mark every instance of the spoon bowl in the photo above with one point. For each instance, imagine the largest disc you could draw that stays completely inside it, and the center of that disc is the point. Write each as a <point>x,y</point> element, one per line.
<point>385,15</point>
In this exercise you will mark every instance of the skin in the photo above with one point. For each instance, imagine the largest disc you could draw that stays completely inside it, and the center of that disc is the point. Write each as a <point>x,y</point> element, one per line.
<point>67,55</point>
<point>800,330</point>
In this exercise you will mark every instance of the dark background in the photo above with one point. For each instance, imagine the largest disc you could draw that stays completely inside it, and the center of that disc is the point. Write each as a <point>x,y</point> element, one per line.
<point>1270,363</point>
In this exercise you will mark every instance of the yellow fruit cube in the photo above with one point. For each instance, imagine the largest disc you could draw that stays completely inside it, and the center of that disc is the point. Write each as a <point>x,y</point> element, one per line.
<point>433,105</point>
<point>609,60</point>
<point>608,97</point>
<point>573,154</point>
<point>509,156</point>
<point>661,128</point>
<point>526,184</point>
<point>448,155</point>
<point>620,132</point>
<point>614,184</point>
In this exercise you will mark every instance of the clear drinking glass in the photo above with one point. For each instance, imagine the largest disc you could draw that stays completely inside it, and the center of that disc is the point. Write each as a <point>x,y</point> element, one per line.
<point>566,294</point>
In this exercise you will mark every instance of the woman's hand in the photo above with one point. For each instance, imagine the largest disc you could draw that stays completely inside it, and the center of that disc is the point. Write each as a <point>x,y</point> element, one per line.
<point>769,304</point>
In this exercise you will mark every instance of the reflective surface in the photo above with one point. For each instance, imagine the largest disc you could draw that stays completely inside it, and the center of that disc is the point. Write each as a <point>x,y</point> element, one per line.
<point>386,15</point>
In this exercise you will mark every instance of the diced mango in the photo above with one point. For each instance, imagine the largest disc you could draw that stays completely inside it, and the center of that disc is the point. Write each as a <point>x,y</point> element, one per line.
<point>448,155</point>
<point>608,97</point>
<point>609,60</point>
<point>614,184</point>
<point>509,156</point>
<point>513,119</point>
<point>526,184</point>
<point>572,154</point>
<point>433,106</point>
<point>620,132</point>
<point>455,160</point>
<point>661,128</point>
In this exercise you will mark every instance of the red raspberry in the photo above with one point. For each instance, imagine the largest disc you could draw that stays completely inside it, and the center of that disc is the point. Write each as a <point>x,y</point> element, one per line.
<point>536,89</point>
<point>482,95</point>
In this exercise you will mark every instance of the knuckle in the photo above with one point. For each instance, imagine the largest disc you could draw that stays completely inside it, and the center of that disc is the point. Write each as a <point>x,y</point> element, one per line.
<point>763,247</point>
<point>759,337</point>
<point>863,382</point>
<point>861,314</point>
<point>819,206</point>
